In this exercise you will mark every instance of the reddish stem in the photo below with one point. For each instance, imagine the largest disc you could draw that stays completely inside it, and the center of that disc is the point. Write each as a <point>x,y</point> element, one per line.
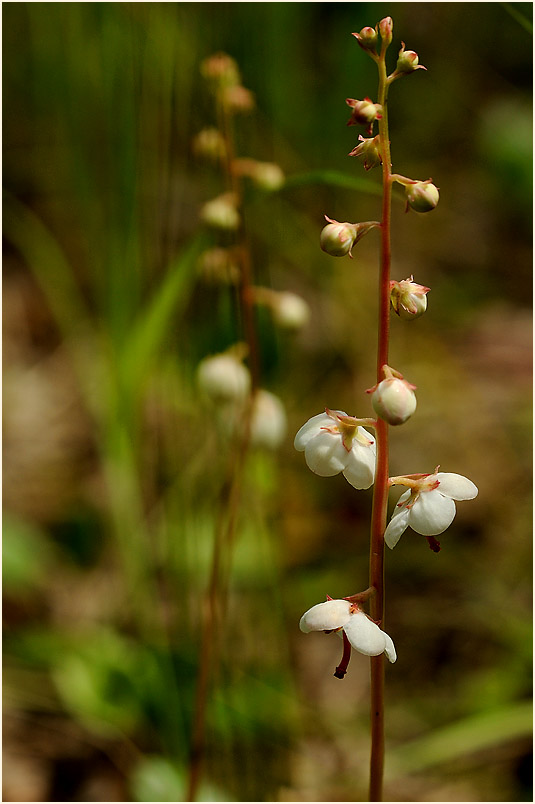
<point>380,494</point>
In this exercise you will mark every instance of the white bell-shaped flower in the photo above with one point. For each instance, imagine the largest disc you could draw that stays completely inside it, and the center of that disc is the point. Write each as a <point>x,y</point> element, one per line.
<point>363,634</point>
<point>428,504</point>
<point>333,442</point>
<point>223,378</point>
<point>268,423</point>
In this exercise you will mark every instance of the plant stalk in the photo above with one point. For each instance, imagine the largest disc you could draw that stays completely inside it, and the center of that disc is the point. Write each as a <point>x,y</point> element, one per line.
<point>380,494</point>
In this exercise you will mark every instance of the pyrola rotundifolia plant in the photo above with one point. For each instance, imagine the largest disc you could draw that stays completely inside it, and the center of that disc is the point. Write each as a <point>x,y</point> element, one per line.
<point>334,442</point>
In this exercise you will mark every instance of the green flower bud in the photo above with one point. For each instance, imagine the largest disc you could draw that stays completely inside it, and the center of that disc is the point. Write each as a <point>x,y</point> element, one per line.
<point>337,239</point>
<point>221,212</point>
<point>368,152</point>
<point>422,196</point>
<point>364,113</point>
<point>209,144</point>
<point>367,38</point>
<point>386,27</point>
<point>408,61</point>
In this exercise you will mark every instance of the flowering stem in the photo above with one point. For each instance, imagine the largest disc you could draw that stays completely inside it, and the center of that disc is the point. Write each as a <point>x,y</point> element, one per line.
<point>380,495</point>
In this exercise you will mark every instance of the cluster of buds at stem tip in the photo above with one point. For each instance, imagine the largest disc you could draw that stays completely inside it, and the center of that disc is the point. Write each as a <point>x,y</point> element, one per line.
<point>422,196</point>
<point>408,299</point>
<point>407,63</point>
<point>364,113</point>
<point>393,398</point>
<point>369,152</point>
<point>337,239</point>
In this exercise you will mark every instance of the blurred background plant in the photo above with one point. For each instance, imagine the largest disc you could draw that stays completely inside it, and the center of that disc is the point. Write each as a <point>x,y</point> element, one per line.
<point>112,470</point>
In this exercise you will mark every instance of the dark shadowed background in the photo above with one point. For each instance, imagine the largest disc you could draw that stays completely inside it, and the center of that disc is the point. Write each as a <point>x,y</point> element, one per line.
<point>112,471</point>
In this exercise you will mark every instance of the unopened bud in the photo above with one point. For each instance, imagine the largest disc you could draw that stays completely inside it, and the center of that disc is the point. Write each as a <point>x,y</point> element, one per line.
<point>268,423</point>
<point>386,27</point>
<point>223,378</point>
<point>394,400</point>
<point>367,38</point>
<point>422,196</point>
<point>364,112</point>
<point>218,266</point>
<point>290,311</point>
<point>408,61</point>
<point>266,175</point>
<point>408,299</point>
<point>221,212</point>
<point>337,239</point>
<point>221,69</point>
<point>368,152</point>
<point>238,99</point>
<point>209,144</point>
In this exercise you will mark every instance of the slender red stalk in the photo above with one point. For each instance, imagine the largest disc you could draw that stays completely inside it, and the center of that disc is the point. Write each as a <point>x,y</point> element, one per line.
<point>380,494</point>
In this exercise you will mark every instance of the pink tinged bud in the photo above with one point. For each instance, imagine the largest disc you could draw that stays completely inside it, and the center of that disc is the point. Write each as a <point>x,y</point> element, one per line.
<point>364,113</point>
<point>408,61</point>
<point>367,38</point>
<point>368,152</point>
<point>394,400</point>
<point>386,27</point>
<point>408,299</point>
<point>221,69</point>
<point>422,196</point>
<point>337,239</point>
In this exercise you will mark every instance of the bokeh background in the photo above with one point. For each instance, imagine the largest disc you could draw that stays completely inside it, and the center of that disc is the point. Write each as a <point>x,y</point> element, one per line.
<point>113,470</point>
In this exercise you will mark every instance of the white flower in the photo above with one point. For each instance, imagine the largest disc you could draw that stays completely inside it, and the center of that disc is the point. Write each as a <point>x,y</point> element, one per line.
<point>363,634</point>
<point>427,506</point>
<point>333,442</point>
<point>268,424</point>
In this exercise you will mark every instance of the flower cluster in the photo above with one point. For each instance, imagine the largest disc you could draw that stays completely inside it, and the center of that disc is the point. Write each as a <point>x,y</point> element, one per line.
<point>334,442</point>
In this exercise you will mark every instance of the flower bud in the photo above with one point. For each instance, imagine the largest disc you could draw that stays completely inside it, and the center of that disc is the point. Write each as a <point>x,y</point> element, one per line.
<point>337,239</point>
<point>238,99</point>
<point>408,299</point>
<point>422,196</point>
<point>218,266</point>
<point>368,152</point>
<point>221,69</point>
<point>223,378</point>
<point>268,423</point>
<point>386,27</point>
<point>393,399</point>
<point>367,38</point>
<point>209,144</point>
<point>266,175</point>
<point>364,113</point>
<point>290,311</point>
<point>408,61</point>
<point>221,212</point>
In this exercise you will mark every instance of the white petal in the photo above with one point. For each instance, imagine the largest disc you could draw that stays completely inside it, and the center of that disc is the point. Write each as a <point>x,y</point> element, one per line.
<point>325,616</point>
<point>313,427</point>
<point>325,454</point>
<point>398,523</point>
<point>432,513</point>
<point>390,649</point>
<point>360,467</point>
<point>455,486</point>
<point>364,635</point>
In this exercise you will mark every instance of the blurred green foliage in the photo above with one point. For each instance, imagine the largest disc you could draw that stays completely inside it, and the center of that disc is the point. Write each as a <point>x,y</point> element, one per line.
<point>113,470</point>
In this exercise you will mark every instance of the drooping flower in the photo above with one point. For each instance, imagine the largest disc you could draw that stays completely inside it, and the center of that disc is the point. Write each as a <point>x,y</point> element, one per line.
<point>223,378</point>
<point>428,504</point>
<point>393,398</point>
<point>268,423</point>
<point>363,634</point>
<point>334,442</point>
